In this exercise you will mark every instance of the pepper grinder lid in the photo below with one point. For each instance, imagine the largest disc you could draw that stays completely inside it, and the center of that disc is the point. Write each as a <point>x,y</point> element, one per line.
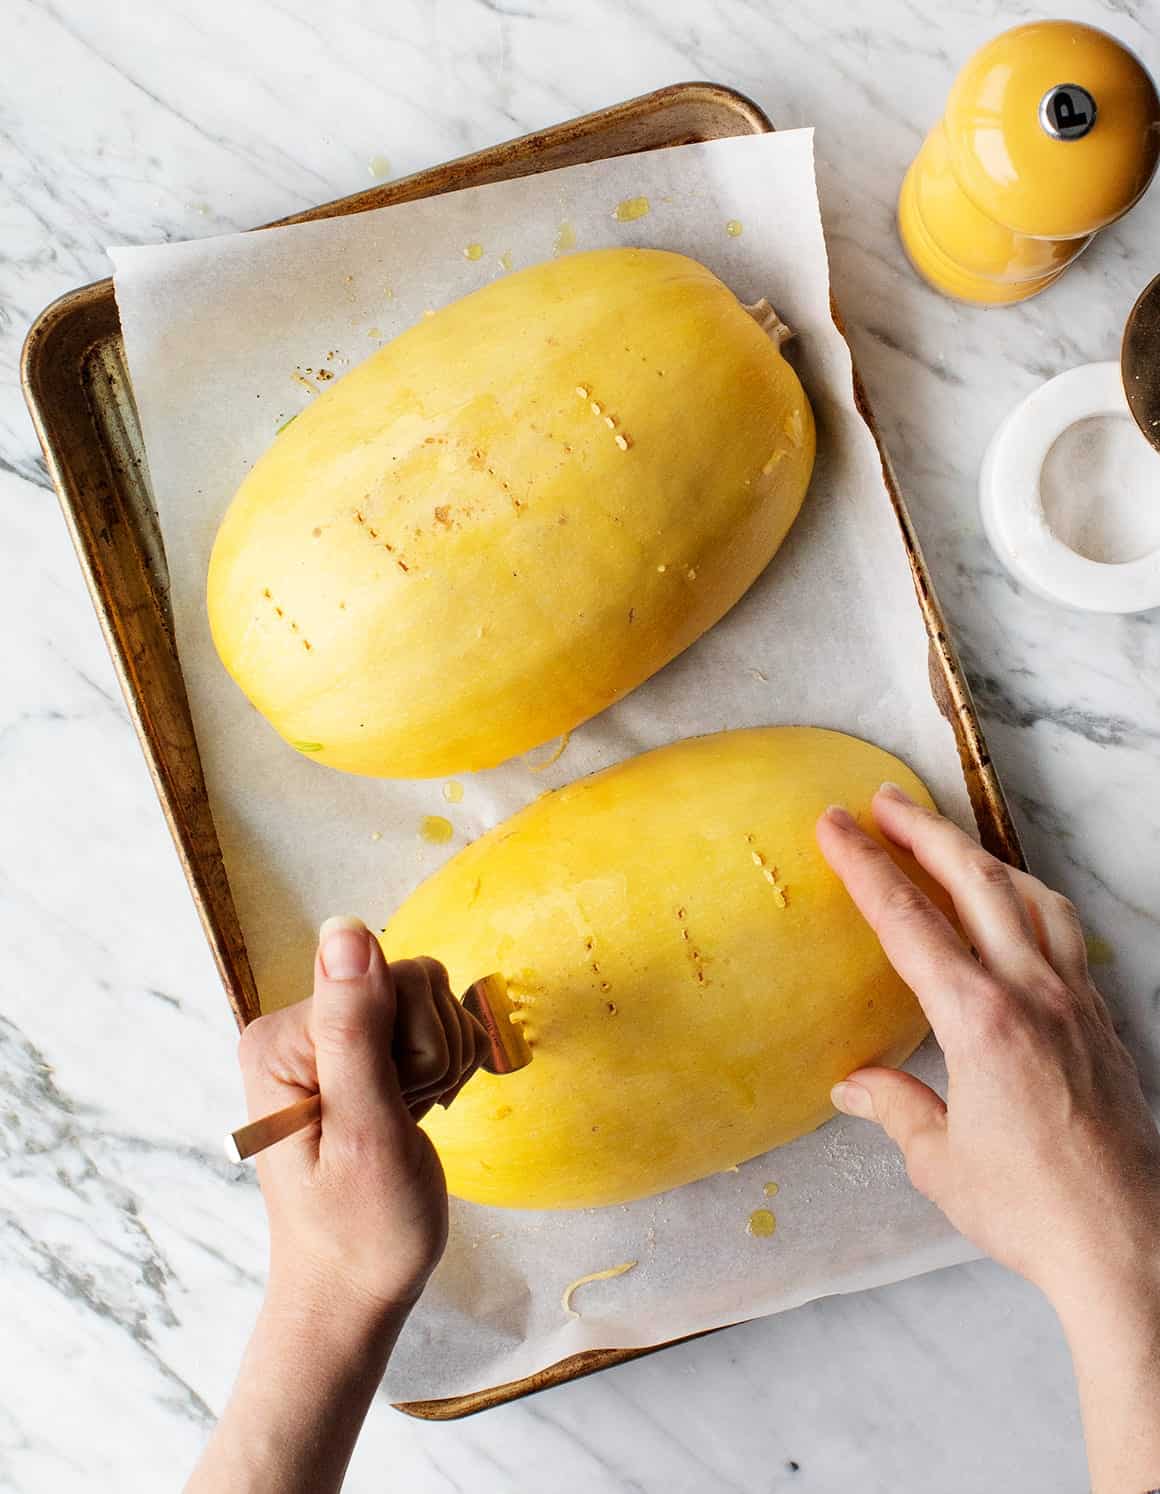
<point>1054,129</point>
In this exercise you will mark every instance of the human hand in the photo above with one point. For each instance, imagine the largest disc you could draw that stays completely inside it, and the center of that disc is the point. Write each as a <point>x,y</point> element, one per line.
<point>357,1206</point>
<point>357,1203</point>
<point>1045,1153</point>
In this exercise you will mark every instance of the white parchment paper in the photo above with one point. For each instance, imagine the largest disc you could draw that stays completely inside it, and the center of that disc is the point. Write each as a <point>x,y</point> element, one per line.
<point>225,339</point>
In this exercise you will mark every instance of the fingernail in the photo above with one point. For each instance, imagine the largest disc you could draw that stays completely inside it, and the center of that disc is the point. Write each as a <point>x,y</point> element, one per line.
<point>892,791</point>
<point>852,1099</point>
<point>841,817</point>
<point>344,945</point>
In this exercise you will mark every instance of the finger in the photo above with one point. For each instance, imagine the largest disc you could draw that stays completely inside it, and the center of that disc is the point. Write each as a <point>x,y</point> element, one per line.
<point>450,1095</point>
<point>421,1048</point>
<point>916,938</point>
<point>276,1054</point>
<point>477,1045</point>
<point>463,1046</point>
<point>1058,930</point>
<point>910,1113</point>
<point>419,1101</point>
<point>424,1098</point>
<point>352,1023</point>
<point>419,1108</point>
<point>445,1090</point>
<point>991,913</point>
<point>276,1057</point>
<point>448,1009</point>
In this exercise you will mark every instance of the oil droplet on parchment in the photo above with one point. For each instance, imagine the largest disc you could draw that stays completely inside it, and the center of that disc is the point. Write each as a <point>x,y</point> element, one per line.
<point>734,228</point>
<point>629,209</point>
<point>770,1190</point>
<point>1099,951</point>
<point>453,792</point>
<point>761,1224</point>
<point>435,830</point>
<point>473,251</point>
<point>565,238</point>
<point>505,260</point>
<point>379,166</point>
<point>553,757</point>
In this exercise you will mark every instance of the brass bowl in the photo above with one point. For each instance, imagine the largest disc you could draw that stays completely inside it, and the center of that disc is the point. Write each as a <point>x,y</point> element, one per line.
<point>1140,362</point>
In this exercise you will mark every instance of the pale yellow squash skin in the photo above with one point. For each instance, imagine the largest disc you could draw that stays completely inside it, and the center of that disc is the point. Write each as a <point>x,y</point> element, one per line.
<point>693,976</point>
<point>448,559</point>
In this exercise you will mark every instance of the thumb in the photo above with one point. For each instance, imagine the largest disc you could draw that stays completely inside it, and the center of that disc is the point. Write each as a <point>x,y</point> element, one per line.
<point>352,1026</point>
<point>910,1113</point>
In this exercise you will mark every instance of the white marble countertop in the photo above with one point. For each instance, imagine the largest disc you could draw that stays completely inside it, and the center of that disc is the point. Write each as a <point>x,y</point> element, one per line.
<point>130,1263</point>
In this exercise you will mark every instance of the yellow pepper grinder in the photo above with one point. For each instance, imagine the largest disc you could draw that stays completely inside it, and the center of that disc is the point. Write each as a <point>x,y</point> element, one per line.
<point>1051,132</point>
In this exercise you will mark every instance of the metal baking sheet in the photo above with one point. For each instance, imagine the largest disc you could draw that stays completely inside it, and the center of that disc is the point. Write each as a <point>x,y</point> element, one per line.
<point>77,386</point>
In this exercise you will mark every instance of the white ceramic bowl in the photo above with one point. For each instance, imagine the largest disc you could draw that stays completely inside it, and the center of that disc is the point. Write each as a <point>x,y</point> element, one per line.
<point>1012,504</point>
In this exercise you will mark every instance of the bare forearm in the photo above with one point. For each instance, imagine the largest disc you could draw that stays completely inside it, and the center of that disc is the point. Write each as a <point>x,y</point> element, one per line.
<point>1114,1335</point>
<point>306,1382</point>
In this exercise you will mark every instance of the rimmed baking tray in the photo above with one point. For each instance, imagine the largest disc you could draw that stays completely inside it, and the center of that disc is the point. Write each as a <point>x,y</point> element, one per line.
<point>77,385</point>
